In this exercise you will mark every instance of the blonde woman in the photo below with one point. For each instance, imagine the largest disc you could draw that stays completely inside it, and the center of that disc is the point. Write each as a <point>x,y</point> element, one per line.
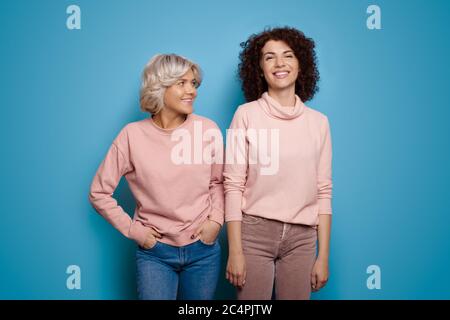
<point>179,201</point>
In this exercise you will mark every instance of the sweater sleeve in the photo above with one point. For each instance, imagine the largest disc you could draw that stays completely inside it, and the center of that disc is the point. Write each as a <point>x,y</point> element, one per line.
<point>216,182</point>
<point>113,167</point>
<point>236,166</point>
<point>324,180</point>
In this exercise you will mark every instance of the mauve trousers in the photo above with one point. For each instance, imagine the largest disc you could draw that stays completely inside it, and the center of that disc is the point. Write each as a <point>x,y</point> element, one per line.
<point>279,254</point>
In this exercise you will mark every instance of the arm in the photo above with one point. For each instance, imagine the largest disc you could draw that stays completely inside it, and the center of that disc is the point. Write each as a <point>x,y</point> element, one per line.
<point>236,166</point>
<point>320,273</point>
<point>235,176</point>
<point>210,229</point>
<point>323,234</point>
<point>236,267</point>
<point>216,183</point>
<point>112,168</point>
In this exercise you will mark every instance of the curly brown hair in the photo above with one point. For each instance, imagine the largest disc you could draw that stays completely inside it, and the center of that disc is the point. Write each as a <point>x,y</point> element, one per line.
<point>250,71</point>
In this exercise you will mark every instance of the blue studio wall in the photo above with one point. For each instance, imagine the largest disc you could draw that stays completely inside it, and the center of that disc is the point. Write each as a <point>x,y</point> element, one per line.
<point>66,93</point>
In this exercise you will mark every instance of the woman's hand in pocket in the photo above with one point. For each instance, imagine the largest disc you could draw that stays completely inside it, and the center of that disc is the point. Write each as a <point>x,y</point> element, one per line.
<point>150,240</point>
<point>208,231</point>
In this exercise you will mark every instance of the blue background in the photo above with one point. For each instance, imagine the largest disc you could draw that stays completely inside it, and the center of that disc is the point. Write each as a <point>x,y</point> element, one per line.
<point>65,94</point>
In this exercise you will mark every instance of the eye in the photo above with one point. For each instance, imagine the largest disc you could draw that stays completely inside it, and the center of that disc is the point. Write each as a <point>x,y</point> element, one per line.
<point>289,56</point>
<point>268,58</point>
<point>195,83</point>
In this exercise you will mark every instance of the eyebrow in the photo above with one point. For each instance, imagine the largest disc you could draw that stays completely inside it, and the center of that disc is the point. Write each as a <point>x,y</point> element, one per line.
<point>184,79</point>
<point>270,52</point>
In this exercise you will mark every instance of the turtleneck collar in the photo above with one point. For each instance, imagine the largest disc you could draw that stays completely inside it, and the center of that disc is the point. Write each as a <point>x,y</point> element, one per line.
<point>274,109</point>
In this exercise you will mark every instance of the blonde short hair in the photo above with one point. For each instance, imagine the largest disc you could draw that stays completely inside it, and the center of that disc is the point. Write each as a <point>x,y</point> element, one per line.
<point>162,71</point>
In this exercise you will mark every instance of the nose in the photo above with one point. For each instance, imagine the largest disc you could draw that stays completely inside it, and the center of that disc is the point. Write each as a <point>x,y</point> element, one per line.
<point>279,62</point>
<point>190,88</point>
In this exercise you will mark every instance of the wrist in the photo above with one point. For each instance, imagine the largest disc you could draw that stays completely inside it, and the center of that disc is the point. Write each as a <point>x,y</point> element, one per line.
<point>236,251</point>
<point>214,223</point>
<point>323,257</point>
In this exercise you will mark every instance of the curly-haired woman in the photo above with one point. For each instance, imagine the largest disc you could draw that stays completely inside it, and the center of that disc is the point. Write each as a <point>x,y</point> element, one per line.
<point>275,217</point>
<point>179,208</point>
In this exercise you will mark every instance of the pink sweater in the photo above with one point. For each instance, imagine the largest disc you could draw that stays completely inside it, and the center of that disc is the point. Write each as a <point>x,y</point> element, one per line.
<point>295,185</point>
<point>171,196</point>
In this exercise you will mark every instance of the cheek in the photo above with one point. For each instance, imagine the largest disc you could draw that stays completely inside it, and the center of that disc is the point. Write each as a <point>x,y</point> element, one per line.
<point>170,96</point>
<point>296,66</point>
<point>267,69</point>
<point>167,95</point>
<point>176,93</point>
<point>264,67</point>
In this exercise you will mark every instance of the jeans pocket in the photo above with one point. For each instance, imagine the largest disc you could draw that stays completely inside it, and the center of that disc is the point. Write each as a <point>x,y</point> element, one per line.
<point>151,248</point>
<point>249,219</point>
<point>206,243</point>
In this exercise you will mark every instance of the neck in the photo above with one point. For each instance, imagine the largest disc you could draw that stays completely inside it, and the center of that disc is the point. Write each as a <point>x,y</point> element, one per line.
<point>285,97</point>
<point>169,120</point>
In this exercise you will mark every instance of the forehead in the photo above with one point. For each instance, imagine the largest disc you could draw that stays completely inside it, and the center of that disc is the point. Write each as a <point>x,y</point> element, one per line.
<point>275,46</point>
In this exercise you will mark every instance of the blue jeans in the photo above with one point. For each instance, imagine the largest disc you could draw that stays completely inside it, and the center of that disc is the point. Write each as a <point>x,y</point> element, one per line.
<point>166,272</point>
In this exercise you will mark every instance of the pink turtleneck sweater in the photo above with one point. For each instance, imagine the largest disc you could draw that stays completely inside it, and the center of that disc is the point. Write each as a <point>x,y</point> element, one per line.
<point>285,174</point>
<point>175,177</point>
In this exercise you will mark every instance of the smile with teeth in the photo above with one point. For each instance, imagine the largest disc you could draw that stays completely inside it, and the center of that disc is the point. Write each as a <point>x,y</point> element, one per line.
<point>187,100</point>
<point>281,74</point>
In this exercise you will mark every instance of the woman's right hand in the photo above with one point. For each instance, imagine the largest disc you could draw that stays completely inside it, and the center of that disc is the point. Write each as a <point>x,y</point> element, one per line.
<point>236,269</point>
<point>150,240</point>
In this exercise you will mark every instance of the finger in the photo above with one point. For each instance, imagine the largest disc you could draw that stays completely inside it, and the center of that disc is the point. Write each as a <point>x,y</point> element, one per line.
<point>150,242</point>
<point>313,282</point>
<point>231,280</point>
<point>322,283</point>
<point>197,232</point>
<point>235,280</point>
<point>240,280</point>
<point>228,274</point>
<point>319,286</point>
<point>155,233</point>
<point>244,277</point>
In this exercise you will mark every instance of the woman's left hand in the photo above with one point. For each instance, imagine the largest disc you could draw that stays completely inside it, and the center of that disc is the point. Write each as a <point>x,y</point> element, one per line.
<point>319,274</point>
<point>208,231</point>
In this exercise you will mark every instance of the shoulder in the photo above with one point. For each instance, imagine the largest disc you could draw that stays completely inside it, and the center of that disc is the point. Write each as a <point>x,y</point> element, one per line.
<point>130,130</point>
<point>206,122</point>
<point>248,108</point>
<point>317,117</point>
<point>209,128</point>
<point>315,114</point>
<point>135,125</point>
<point>246,111</point>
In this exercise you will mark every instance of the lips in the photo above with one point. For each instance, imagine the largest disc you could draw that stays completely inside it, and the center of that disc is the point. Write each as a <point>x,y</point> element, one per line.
<point>281,74</point>
<point>187,100</point>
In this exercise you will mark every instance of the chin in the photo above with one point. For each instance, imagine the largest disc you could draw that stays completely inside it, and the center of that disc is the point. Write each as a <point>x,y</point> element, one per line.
<point>187,110</point>
<point>282,85</point>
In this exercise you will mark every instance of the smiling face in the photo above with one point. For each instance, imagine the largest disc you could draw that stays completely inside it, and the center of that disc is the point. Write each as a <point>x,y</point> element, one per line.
<point>279,65</point>
<point>179,97</point>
